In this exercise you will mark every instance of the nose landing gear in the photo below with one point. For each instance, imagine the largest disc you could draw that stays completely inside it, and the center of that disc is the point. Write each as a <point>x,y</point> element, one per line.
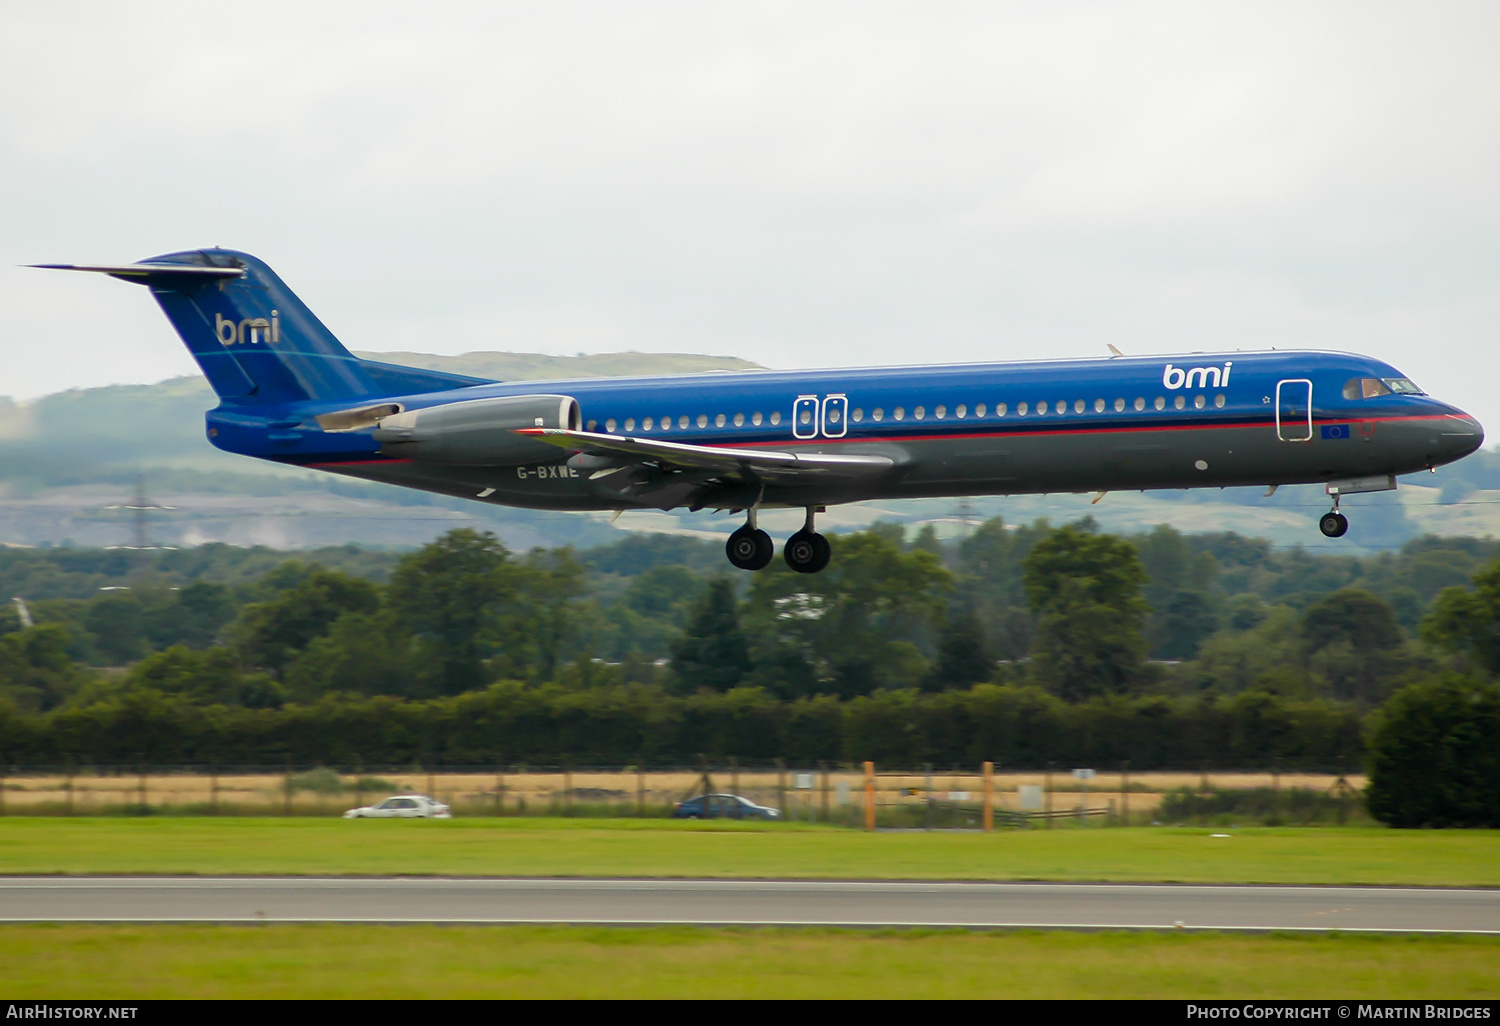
<point>807,551</point>
<point>1334,524</point>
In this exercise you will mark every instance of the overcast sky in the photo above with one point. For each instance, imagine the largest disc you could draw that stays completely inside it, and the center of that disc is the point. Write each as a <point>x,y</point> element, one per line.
<point>803,184</point>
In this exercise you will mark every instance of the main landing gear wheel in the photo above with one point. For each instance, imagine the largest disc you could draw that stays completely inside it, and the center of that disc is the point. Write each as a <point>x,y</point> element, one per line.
<point>1334,524</point>
<point>750,548</point>
<point>807,552</point>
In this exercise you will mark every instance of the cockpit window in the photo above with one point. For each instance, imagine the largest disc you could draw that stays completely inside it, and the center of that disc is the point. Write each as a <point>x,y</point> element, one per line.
<point>1365,388</point>
<point>1402,386</point>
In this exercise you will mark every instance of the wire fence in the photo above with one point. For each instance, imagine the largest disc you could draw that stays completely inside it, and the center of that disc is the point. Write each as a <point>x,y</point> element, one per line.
<point>923,798</point>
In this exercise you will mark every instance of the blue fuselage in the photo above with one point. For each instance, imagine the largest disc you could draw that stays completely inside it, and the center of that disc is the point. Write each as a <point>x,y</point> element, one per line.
<point>1278,417</point>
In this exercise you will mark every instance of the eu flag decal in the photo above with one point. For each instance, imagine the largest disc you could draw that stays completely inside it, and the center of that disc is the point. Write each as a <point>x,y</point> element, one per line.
<point>1335,430</point>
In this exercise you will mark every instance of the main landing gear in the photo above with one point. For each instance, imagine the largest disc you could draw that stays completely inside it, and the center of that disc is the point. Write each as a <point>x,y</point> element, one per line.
<point>806,552</point>
<point>750,548</point>
<point>1333,523</point>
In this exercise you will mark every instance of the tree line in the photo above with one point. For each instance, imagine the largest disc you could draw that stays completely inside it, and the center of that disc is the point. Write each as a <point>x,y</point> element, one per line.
<point>1017,643</point>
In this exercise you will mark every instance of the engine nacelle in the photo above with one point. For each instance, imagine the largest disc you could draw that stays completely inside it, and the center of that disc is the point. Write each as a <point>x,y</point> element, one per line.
<point>479,432</point>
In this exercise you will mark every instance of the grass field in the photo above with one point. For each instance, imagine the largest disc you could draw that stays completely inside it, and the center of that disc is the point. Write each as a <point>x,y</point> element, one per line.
<point>666,848</point>
<point>124,962</point>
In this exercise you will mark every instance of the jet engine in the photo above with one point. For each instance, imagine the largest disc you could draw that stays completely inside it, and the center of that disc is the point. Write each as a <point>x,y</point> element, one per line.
<point>478,432</point>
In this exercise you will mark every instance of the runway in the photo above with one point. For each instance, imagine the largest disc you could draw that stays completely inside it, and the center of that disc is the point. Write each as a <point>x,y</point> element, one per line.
<point>747,903</point>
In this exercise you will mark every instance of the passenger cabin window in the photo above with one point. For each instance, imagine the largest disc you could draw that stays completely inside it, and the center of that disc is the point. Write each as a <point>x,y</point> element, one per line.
<point>755,418</point>
<point>978,410</point>
<point>629,423</point>
<point>920,412</point>
<point>878,414</point>
<point>899,414</point>
<point>775,416</point>
<point>666,423</point>
<point>1000,410</point>
<point>646,424</point>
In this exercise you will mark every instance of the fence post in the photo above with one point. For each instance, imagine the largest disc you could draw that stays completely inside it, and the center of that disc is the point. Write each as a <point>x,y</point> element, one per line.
<point>68,786</point>
<point>431,787</point>
<point>3,768</point>
<point>499,786</point>
<point>869,796</point>
<point>1047,794</point>
<point>734,775</point>
<point>1125,793</point>
<point>989,797</point>
<point>823,771</point>
<point>927,801</point>
<point>141,770</point>
<point>781,789</point>
<point>640,789</point>
<point>286,802</point>
<point>213,785</point>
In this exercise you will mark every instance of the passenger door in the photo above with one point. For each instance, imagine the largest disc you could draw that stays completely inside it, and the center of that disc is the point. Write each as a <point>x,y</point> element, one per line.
<point>1294,410</point>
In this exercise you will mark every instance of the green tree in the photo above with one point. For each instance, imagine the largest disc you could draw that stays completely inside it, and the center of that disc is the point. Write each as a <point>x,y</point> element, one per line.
<point>963,658</point>
<point>1351,639</point>
<point>1435,755</point>
<point>713,653</point>
<point>448,595</point>
<point>270,634</point>
<point>1468,622</point>
<point>36,672</point>
<point>1086,592</point>
<point>114,623</point>
<point>862,623</point>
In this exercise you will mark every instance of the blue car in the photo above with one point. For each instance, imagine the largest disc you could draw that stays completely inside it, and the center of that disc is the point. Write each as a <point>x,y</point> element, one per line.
<point>722,806</point>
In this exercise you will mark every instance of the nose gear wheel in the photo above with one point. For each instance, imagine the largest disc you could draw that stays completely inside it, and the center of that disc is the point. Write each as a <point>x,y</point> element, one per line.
<point>1334,524</point>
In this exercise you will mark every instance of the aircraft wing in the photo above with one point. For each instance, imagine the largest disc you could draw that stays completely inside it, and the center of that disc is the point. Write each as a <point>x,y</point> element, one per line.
<point>611,452</point>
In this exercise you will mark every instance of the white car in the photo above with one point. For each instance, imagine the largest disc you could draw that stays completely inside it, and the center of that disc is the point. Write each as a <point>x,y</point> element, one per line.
<point>403,806</point>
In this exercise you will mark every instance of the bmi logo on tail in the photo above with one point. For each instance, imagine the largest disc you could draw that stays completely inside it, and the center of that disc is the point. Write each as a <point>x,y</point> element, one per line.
<point>248,331</point>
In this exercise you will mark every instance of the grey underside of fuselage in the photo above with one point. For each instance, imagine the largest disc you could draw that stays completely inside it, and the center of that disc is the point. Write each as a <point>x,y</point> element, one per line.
<point>1014,464</point>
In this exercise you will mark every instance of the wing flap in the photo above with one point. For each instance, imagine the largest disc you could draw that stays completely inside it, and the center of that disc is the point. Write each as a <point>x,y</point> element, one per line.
<point>708,457</point>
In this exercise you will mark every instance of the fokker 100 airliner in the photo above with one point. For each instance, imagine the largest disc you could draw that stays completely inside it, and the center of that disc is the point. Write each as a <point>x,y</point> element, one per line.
<point>290,392</point>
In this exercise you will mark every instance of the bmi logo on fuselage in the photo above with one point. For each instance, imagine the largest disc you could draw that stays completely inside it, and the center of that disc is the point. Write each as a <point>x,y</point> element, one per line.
<point>248,331</point>
<point>1196,377</point>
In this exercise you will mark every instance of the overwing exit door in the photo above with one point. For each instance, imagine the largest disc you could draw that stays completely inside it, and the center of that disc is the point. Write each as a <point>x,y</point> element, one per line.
<point>805,417</point>
<point>1294,410</point>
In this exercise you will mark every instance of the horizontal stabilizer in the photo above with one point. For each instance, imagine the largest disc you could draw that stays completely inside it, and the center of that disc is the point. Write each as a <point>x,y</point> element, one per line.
<point>144,272</point>
<point>709,457</point>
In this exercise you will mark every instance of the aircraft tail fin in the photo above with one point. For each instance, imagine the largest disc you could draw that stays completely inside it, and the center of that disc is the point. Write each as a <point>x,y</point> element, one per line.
<point>254,339</point>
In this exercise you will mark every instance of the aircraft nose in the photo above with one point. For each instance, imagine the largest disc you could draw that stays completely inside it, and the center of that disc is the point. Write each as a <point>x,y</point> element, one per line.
<point>1460,435</point>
